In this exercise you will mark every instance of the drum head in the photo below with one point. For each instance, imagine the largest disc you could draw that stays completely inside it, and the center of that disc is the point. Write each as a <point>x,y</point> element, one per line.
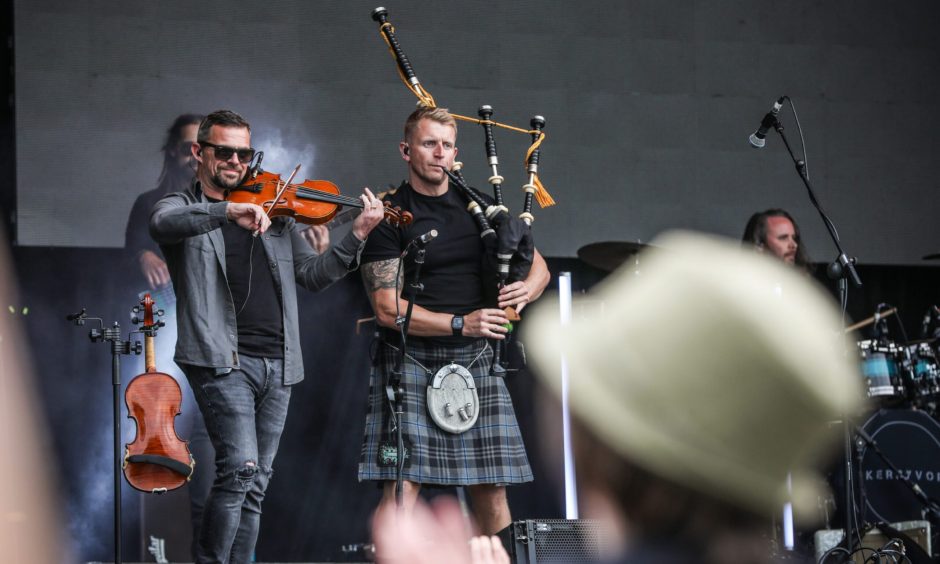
<point>911,441</point>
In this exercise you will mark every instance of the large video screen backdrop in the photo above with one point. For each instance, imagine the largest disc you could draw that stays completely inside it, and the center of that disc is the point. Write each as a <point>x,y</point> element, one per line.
<point>649,105</point>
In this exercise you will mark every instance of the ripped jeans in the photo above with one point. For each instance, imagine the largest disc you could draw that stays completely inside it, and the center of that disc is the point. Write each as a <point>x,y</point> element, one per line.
<point>244,411</point>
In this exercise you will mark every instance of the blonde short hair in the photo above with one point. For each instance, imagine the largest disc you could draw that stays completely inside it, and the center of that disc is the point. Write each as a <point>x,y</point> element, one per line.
<point>440,115</point>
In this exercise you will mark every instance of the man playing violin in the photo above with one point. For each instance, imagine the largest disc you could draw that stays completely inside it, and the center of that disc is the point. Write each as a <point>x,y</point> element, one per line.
<point>233,270</point>
<point>451,322</point>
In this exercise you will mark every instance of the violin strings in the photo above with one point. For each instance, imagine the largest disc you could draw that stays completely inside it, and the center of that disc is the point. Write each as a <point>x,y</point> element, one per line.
<point>326,197</point>
<point>317,195</point>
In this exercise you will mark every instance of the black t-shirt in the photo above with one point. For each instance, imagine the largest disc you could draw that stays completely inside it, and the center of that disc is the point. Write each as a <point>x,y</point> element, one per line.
<point>257,303</point>
<point>451,274</point>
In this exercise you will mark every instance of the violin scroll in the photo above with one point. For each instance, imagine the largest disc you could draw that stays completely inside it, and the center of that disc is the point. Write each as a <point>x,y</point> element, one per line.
<point>397,217</point>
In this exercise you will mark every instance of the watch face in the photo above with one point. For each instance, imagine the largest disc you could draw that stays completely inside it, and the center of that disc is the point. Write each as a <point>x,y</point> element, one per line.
<point>457,323</point>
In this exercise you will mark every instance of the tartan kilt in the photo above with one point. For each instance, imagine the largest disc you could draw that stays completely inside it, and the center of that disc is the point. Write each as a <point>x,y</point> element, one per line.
<point>490,452</point>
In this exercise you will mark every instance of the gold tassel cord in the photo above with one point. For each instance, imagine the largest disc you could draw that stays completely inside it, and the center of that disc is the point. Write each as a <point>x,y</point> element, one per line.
<point>489,121</point>
<point>542,196</point>
<point>423,95</point>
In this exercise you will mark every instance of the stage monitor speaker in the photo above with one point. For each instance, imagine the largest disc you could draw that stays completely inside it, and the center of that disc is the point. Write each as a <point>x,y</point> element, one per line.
<point>568,541</point>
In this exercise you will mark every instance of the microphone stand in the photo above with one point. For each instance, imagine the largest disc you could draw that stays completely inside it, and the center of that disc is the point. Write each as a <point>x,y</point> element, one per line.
<point>842,264</point>
<point>393,389</point>
<point>841,268</point>
<point>118,347</point>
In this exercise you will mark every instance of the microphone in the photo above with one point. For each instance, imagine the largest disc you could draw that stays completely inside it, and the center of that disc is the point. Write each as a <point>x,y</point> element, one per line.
<point>74,316</point>
<point>422,241</point>
<point>254,166</point>
<point>757,138</point>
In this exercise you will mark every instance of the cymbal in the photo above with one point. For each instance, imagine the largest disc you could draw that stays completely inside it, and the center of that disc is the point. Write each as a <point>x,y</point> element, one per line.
<point>609,255</point>
<point>932,256</point>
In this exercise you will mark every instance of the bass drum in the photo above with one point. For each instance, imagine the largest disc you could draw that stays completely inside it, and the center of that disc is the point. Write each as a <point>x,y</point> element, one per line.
<point>911,441</point>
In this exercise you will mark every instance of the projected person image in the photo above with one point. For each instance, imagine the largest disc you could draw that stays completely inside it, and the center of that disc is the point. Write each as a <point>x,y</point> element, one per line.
<point>451,325</point>
<point>179,167</point>
<point>233,271</point>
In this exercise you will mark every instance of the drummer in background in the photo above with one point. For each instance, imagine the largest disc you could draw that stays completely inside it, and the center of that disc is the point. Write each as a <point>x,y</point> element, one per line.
<point>775,231</point>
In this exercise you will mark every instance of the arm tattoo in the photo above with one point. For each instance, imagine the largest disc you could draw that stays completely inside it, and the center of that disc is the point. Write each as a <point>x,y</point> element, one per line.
<point>381,274</point>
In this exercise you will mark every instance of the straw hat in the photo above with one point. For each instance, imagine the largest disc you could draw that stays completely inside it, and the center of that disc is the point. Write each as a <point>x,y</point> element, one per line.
<point>703,371</point>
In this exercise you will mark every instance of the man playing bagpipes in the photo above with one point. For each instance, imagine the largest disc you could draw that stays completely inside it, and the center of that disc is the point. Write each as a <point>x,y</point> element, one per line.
<point>458,423</point>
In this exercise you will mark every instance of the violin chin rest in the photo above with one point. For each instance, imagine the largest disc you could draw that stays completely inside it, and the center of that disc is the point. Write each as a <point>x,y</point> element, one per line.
<point>164,461</point>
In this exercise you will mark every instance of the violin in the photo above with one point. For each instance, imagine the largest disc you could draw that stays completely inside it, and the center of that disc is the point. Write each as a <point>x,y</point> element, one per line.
<point>312,202</point>
<point>158,460</point>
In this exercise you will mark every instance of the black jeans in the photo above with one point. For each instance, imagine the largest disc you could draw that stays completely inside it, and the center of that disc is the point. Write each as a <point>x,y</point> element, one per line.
<point>244,412</point>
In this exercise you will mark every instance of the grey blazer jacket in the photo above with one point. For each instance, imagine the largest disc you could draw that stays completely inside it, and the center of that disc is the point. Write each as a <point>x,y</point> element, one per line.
<point>186,225</point>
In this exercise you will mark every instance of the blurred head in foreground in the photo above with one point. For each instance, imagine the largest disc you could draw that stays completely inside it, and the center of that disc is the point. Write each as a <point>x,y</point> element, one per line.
<point>694,391</point>
<point>30,510</point>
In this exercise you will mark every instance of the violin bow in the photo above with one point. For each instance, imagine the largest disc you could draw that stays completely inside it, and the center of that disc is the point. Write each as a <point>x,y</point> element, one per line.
<point>281,190</point>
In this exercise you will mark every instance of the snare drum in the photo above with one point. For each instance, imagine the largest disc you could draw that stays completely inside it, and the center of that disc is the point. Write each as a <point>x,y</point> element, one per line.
<point>881,368</point>
<point>925,373</point>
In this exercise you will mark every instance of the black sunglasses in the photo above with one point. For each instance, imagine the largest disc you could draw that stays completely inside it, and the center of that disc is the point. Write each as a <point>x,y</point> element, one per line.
<point>225,153</point>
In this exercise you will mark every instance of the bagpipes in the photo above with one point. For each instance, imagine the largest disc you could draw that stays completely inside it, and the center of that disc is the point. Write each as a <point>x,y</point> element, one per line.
<point>508,245</point>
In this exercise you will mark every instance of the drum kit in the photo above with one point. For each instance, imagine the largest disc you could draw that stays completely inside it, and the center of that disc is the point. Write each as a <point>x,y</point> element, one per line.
<point>901,374</point>
<point>609,255</point>
<point>898,445</point>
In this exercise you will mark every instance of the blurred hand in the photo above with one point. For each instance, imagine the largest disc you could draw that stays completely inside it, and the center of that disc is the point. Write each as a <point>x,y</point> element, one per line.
<point>487,550</point>
<point>372,214</point>
<point>431,535</point>
<point>248,216</point>
<point>154,270</point>
<point>318,236</point>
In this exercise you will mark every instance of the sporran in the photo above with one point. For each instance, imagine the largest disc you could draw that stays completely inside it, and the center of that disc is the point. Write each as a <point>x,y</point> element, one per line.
<point>453,403</point>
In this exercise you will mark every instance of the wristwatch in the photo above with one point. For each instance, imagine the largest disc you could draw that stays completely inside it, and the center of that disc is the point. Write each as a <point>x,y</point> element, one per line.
<point>456,325</point>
